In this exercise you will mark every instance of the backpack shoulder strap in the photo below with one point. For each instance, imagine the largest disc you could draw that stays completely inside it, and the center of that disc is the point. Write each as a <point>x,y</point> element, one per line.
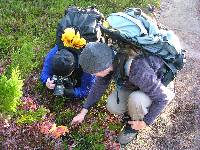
<point>118,66</point>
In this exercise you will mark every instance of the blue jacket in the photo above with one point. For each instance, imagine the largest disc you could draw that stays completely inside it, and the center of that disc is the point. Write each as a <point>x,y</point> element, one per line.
<point>87,80</point>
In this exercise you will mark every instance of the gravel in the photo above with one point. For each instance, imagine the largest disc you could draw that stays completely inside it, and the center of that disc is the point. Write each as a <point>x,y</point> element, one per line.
<point>178,126</point>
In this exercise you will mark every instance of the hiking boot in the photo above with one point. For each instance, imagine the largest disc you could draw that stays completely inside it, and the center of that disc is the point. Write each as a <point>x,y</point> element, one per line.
<point>127,135</point>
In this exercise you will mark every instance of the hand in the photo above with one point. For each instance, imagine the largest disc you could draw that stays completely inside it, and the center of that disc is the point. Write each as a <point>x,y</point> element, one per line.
<point>80,117</point>
<point>137,125</point>
<point>50,84</point>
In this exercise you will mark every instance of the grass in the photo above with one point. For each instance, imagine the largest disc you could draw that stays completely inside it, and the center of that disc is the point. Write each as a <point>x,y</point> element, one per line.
<point>27,21</point>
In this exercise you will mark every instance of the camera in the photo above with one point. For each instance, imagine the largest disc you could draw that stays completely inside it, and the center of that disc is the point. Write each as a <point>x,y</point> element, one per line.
<point>60,83</point>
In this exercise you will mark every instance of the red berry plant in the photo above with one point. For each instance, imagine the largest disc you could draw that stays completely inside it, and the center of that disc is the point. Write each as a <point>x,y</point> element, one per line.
<point>33,129</point>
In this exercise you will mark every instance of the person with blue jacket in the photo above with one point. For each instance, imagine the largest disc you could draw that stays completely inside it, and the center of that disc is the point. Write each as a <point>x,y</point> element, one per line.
<point>65,63</point>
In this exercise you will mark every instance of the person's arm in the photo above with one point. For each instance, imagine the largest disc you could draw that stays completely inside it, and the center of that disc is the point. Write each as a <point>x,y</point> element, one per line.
<point>47,67</point>
<point>95,94</point>
<point>97,90</point>
<point>143,74</point>
<point>87,80</point>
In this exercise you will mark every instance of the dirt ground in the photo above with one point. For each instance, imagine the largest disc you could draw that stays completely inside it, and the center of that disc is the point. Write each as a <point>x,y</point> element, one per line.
<point>178,128</point>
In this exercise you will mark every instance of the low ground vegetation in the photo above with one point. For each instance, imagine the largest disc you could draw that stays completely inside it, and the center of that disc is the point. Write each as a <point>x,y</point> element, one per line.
<point>30,116</point>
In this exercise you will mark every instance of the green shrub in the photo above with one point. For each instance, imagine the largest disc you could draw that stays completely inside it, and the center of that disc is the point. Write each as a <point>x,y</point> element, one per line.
<point>10,92</point>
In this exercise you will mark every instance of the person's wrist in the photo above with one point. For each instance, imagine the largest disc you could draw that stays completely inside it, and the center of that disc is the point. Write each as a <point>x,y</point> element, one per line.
<point>84,111</point>
<point>146,121</point>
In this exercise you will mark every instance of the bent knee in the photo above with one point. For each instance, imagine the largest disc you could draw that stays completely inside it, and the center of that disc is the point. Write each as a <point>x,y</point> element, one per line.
<point>139,97</point>
<point>115,108</point>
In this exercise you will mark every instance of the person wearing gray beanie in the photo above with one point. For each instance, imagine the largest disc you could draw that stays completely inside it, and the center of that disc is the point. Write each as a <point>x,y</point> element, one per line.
<point>140,94</point>
<point>96,57</point>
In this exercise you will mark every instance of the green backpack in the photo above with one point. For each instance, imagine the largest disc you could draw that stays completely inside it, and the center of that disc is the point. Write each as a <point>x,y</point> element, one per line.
<point>133,29</point>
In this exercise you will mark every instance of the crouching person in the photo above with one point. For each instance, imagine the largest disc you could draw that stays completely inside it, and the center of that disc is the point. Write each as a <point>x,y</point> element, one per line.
<point>62,74</point>
<point>140,94</point>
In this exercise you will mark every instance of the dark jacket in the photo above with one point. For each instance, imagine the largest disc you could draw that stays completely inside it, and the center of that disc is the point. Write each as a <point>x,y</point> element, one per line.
<point>144,73</point>
<point>87,80</point>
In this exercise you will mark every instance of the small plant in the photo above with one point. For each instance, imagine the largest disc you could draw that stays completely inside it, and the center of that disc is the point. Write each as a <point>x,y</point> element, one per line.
<point>65,117</point>
<point>90,136</point>
<point>29,112</point>
<point>115,126</point>
<point>29,117</point>
<point>10,92</point>
<point>89,141</point>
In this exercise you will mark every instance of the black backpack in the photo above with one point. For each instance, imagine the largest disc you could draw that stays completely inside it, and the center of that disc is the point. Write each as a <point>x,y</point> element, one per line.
<point>85,21</point>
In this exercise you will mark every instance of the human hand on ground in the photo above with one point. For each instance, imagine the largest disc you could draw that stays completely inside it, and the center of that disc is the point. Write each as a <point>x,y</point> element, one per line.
<point>137,125</point>
<point>80,117</point>
<point>50,84</point>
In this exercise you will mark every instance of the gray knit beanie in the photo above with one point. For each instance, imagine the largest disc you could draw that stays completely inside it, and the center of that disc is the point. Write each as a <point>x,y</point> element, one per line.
<point>96,57</point>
